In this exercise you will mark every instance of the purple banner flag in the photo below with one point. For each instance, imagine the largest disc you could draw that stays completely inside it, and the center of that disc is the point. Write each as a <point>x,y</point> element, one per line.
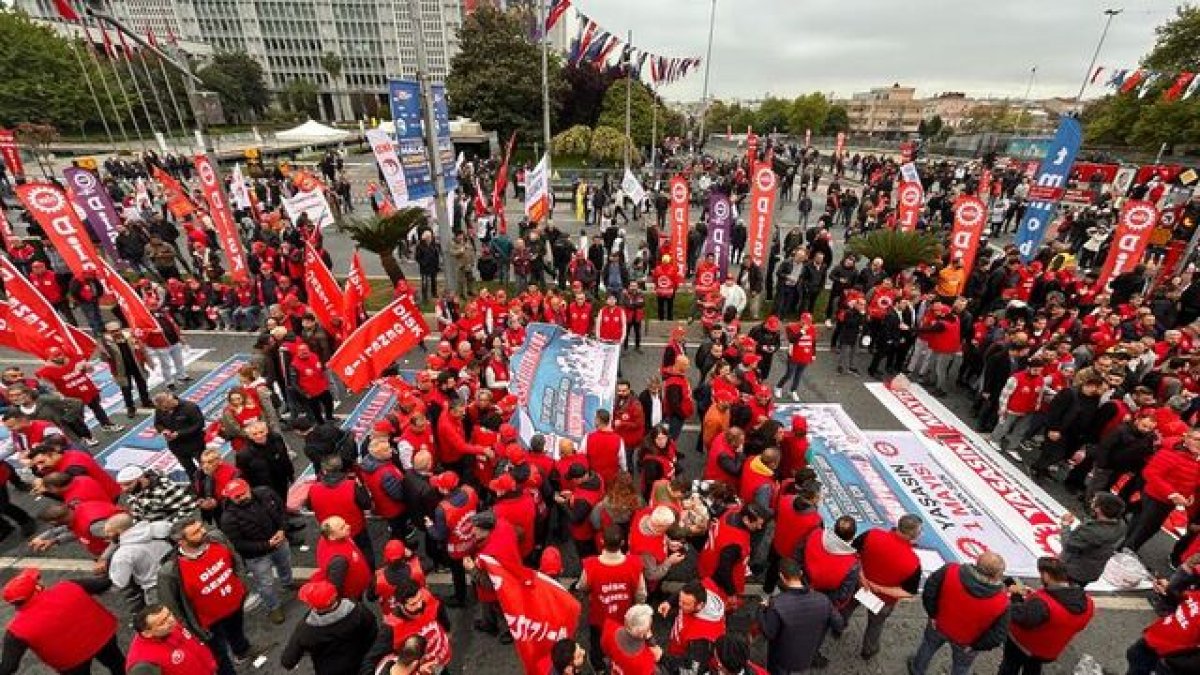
<point>720,222</point>
<point>89,194</point>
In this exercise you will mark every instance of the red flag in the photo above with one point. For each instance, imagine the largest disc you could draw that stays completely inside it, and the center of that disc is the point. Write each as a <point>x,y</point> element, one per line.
<point>763,191</point>
<point>109,50</point>
<point>985,184</point>
<point>178,202</point>
<point>324,296</point>
<point>1181,84</point>
<point>557,9</point>
<point>678,223</point>
<point>1129,241</point>
<point>11,153</point>
<point>133,307</point>
<point>171,37</point>
<point>34,322</point>
<point>227,231</point>
<point>378,343</point>
<point>501,185</point>
<point>1133,81</point>
<point>150,37</point>
<point>969,217</point>
<point>6,232</point>
<point>358,288</point>
<point>539,612</point>
<point>124,45</point>
<point>481,206</point>
<point>65,10</point>
<point>910,199</point>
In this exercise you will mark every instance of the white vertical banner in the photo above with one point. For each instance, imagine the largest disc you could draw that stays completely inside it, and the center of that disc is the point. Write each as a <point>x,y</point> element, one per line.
<point>537,191</point>
<point>238,189</point>
<point>389,164</point>
<point>312,203</point>
<point>633,187</point>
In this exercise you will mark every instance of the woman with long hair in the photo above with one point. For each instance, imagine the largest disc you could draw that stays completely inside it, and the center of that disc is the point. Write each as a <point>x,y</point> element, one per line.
<point>620,502</point>
<point>655,460</point>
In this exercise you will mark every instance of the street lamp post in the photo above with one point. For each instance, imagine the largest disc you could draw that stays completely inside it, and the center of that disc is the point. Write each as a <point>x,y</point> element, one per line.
<point>1110,14</point>
<point>712,22</point>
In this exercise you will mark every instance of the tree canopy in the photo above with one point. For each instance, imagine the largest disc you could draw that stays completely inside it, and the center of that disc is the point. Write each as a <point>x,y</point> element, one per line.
<point>239,82</point>
<point>807,112</point>
<point>642,102</point>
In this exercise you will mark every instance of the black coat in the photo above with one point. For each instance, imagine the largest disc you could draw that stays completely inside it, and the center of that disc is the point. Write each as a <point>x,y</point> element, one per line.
<point>251,525</point>
<point>337,641</point>
<point>795,624</point>
<point>186,420</point>
<point>267,465</point>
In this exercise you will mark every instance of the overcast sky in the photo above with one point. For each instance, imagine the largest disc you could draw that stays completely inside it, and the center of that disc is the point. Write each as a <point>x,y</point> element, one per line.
<point>789,47</point>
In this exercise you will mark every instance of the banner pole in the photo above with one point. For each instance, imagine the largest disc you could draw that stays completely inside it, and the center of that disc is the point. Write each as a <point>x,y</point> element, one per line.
<point>545,95</point>
<point>103,79</point>
<point>626,56</point>
<point>712,23</point>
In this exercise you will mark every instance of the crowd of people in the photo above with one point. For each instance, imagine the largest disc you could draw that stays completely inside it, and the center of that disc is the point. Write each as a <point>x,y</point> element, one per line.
<point>1097,384</point>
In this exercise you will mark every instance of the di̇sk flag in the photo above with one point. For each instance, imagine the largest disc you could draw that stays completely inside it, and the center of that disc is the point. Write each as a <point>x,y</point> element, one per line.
<point>1129,241</point>
<point>33,322</point>
<point>537,191</point>
<point>389,165</point>
<point>227,231</point>
<point>178,202</point>
<point>910,200</point>
<point>764,187</point>
<point>680,198</point>
<point>378,343</point>
<point>539,612</point>
<point>358,288</point>
<point>969,217</point>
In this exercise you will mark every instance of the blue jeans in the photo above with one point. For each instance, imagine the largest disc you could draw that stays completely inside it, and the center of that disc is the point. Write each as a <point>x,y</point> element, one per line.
<point>961,657</point>
<point>794,371</point>
<point>229,635</point>
<point>264,584</point>
<point>170,363</point>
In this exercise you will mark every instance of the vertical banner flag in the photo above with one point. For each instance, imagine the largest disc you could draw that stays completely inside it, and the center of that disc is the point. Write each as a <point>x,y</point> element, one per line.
<point>631,186</point>
<point>11,153</point>
<point>751,148</point>
<point>312,203</point>
<point>841,145</point>
<point>537,191</point>
<point>1048,188</point>
<point>441,118</point>
<point>389,165</point>
<point>379,343</point>
<point>34,321</point>
<point>984,189</point>
<point>969,217</point>
<point>358,288</point>
<point>763,188</point>
<point>324,296</point>
<point>218,209</point>
<point>720,222</point>
<point>501,186</point>
<point>405,97</point>
<point>239,192</point>
<point>910,198</point>
<point>178,202</point>
<point>1129,241</point>
<point>89,194</point>
<point>538,611</point>
<point>807,138</point>
<point>680,197</point>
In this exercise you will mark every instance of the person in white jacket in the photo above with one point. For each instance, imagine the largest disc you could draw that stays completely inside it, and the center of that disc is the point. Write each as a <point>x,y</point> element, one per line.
<point>133,560</point>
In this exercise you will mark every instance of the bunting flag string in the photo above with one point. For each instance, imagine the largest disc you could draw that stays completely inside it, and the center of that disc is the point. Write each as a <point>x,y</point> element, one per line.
<point>1143,82</point>
<point>596,46</point>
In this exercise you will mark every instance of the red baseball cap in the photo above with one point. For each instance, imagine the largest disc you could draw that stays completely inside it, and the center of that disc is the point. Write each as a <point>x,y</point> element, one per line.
<point>22,587</point>
<point>394,550</point>
<point>446,480</point>
<point>235,488</point>
<point>318,594</point>
<point>502,484</point>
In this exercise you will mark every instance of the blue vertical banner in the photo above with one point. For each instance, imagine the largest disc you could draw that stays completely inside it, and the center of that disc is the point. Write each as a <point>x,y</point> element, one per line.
<point>1048,188</point>
<point>441,116</point>
<point>405,96</point>
<point>720,221</point>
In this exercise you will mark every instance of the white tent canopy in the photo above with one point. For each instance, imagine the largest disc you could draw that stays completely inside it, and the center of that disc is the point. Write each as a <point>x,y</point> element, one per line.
<point>312,131</point>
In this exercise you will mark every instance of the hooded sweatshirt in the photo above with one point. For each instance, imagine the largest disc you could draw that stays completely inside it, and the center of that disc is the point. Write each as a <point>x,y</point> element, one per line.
<point>135,562</point>
<point>337,640</point>
<point>977,586</point>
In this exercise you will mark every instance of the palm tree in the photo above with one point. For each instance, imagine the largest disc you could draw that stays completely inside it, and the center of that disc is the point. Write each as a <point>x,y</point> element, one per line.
<point>382,235</point>
<point>332,64</point>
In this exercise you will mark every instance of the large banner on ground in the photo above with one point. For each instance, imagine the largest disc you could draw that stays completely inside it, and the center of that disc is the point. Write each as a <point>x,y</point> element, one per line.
<point>1020,507</point>
<point>560,381</point>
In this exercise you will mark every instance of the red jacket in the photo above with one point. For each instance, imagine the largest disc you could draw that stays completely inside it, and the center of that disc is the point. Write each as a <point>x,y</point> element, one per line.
<point>1171,470</point>
<point>43,621</point>
<point>1178,632</point>
<point>666,280</point>
<point>452,440</point>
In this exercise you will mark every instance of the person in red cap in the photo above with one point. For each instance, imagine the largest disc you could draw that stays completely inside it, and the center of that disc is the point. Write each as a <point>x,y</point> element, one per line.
<point>74,380</point>
<point>614,582</point>
<point>455,451</point>
<point>416,436</point>
<point>793,448</point>
<point>415,612</point>
<point>399,563</point>
<point>336,633</point>
<point>255,522</point>
<point>450,529</point>
<point>677,403</point>
<point>519,509</point>
<point>340,562</point>
<point>767,339</point>
<point>802,349</point>
<point>163,646</point>
<point>44,616</point>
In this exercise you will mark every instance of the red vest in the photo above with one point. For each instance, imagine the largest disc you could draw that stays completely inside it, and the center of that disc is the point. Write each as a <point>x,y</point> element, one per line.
<point>386,592</point>
<point>1177,632</point>
<point>665,280</point>
<point>706,277</point>
<point>382,504</point>
<point>1047,641</point>
<point>33,434</point>
<point>1024,398</point>
<point>458,522</point>
<point>585,531</point>
<point>712,469</point>
<point>888,559</point>
<point>84,489</point>
<point>707,624</point>
<point>752,480</point>
<point>611,588</point>
<point>437,643</point>
<point>881,302</point>
<point>180,653</point>
<point>949,339</point>
<point>358,574</point>
<point>579,318</point>
<point>687,407</point>
<point>721,535</point>
<point>610,326</point>
<point>962,617</point>
<point>824,570</point>
<point>72,458</point>
<point>640,662</point>
<point>653,545</point>
<point>337,500</point>
<point>603,450</point>
<point>68,381</point>
<point>310,376</point>
<point>521,512</point>
<point>83,514</point>
<point>47,284</point>
<point>211,585</point>
<point>57,612</point>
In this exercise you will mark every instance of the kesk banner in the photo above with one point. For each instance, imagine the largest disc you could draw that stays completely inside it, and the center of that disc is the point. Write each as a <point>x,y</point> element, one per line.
<point>389,165</point>
<point>910,201</point>
<point>178,202</point>
<point>680,198</point>
<point>537,191</point>
<point>358,288</point>
<point>34,322</point>
<point>1048,188</point>
<point>1129,241</point>
<point>970,215</point>
<point>11,153</point>
<point>218,210</point>
<point>324,296</point>
<point>89,195</point>
<point>312,203</point>
<point>720,225</point>
<point>539,612</point>
<point>378,343</point>
<point>763,188</point>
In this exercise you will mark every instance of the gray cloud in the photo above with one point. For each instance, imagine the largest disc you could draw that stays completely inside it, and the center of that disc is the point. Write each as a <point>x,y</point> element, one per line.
<point>982,47</point>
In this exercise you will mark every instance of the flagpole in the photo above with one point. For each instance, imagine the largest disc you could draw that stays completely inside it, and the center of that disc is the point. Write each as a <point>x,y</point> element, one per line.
<point>712,23</point>
<point>137,86</point>
<point>654,130</point>
<point>87,78</point>
<point>626,54</point>
<point>103,79</point>
<point>162,111</point>
<point>1111,14</point>
<point>162,66</point>
<point>546,91</point>
<point>1025,101</point>
<point>137,127</point>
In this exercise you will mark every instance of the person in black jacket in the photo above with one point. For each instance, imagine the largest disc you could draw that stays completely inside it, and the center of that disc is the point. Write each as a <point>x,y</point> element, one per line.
<point>795,623</point>
<point>998,365</point>
<point>1070,423</point>
<point>980,583</point>
<point>329,439</point>
<point>264,462</point>
<point>429,260</point>
<point>843,276</point>
<point>181,423</point>
<point>1126,449</point>
<point>1032,612</point>
<point>255,523</point>
<point>336,633</point>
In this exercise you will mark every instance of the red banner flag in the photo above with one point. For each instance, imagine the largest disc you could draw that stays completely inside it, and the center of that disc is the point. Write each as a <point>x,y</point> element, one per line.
<point>764,186</point>
<point>1133,81</point>
<point>910,200</point>
<point>501,185</point>
<point>324,296</point>
<point>65,10</point>
<point>751,148</point>
<point>680,198</point>
<point>178,202</point>
<point>378,343</point>
<point>218,208</point>
<point>34,321</point>
<point>1181,84</point>
<point>11,153</point>
<point>984,189</point>
<point>539,612</point>
<point>1129,241</point>
<point>970,215</point>
<point>840,147</point>
<point>357,290</point>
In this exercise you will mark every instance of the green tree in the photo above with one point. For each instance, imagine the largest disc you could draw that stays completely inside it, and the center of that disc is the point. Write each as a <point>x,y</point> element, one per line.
<point>641,113</point>
<point>838,119</point>
<point>1177,46</point>
<point>899,250</point>
<point>932,127</point>
<point>239,82</point>
<point>574,142</point>
<point>808,112</point>
<point>586,88</point>
<point>382,236</point>
<point>495,79</point>
<point>773,115</point>
<point>991,118</point>
<point>40,77</point>
<point>608,146</point>
<point>332,64</point>
<point>303,96</point>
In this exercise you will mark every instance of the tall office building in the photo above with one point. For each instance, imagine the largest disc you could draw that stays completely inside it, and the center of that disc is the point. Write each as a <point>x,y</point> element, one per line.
<point>372,39</point>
